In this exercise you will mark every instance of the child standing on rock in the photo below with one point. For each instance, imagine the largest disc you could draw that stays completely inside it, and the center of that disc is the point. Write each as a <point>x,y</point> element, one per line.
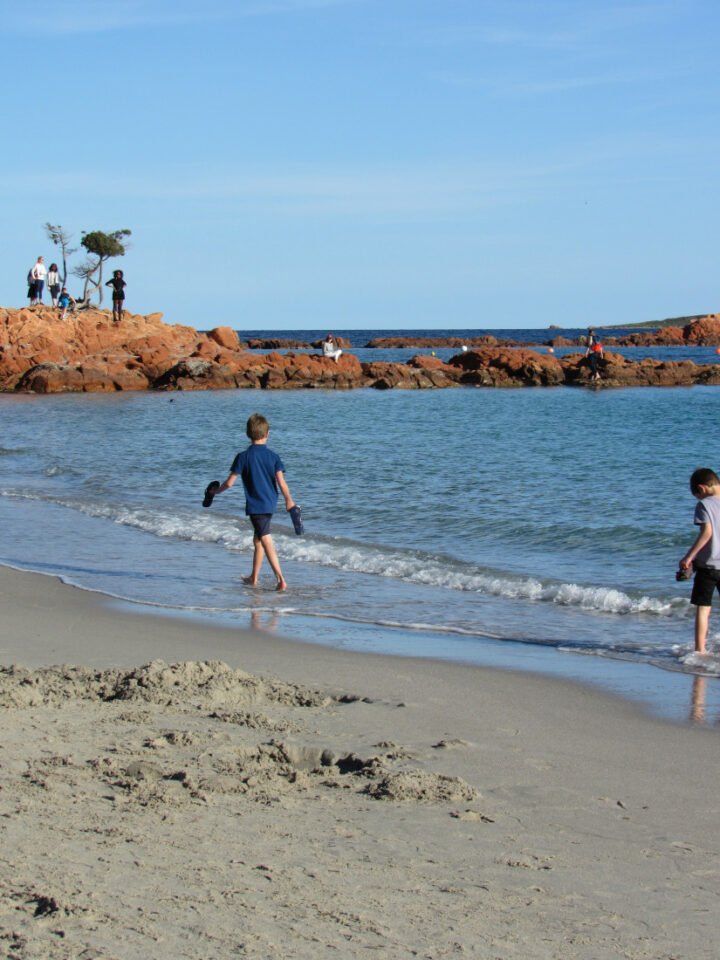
<point>64,302</point>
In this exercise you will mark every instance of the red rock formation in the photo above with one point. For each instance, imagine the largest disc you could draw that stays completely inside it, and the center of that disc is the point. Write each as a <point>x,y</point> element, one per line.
<point>225,337</point>
<point>275,344</point>
<point>705,331</point>
<point>86,341</point>
<point>506,367</point>
<point>617,371</point>
<point>339,342</point>
<point>88,352</point>
<point>385,343</point>
<point>387,376</point>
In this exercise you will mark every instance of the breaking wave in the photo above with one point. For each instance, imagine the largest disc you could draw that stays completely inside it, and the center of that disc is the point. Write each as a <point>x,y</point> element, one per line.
<point>413,566</point>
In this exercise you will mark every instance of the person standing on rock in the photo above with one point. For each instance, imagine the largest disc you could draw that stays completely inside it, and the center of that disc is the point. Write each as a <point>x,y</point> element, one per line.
<point>38,274</point>
<point>31,287</point>
<point>53,282</point>
<point>594,352</point>
<point>118,297</point>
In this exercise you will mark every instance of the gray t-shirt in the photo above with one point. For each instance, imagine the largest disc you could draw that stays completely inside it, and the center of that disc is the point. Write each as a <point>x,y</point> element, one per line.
<point>708,511</point>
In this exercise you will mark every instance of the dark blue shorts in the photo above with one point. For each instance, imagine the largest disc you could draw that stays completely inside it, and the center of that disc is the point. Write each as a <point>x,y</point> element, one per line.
<point>704,584</point>
<point>261,524</point>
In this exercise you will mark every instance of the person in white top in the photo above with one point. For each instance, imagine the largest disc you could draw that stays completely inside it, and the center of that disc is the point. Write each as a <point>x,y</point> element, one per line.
<point>38,273</point>
<point>330,348</point>
<point>53,282</point>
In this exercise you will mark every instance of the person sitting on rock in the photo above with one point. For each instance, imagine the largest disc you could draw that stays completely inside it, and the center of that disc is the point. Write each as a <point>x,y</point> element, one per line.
<point>330,348</point>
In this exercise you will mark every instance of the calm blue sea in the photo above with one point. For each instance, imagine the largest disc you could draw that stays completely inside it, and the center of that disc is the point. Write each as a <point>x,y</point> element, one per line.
<point>536,529</point>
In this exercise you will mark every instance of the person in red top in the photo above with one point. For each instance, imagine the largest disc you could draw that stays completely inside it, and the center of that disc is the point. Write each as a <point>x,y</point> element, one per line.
<point>593,353</point>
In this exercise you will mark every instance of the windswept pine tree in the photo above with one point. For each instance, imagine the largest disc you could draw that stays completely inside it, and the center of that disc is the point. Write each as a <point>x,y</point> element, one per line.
<point>100,247</point>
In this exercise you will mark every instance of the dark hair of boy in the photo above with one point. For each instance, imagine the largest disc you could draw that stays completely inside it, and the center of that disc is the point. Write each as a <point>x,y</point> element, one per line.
<point>257,427</point>
<point>704,477</point>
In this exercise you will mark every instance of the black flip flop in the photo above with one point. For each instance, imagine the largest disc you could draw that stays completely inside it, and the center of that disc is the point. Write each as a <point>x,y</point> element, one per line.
<point>296,517</point>
<point>210,492</point>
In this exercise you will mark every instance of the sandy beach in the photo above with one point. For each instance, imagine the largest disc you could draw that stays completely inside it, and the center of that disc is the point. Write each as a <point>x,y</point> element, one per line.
<point>185,790</point>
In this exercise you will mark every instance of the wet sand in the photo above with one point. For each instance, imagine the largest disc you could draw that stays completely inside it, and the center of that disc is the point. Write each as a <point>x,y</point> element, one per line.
<point>196,791</point>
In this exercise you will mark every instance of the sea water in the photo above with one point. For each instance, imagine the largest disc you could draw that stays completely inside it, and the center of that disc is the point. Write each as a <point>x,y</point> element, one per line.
<point>537,529</point>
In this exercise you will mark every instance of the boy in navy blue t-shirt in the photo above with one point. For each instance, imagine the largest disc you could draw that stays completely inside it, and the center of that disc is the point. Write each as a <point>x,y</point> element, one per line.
<point>261,472</point>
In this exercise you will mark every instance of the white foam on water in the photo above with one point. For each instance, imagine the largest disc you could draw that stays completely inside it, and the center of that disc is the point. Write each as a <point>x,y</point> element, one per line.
<point>412,566</point>
<point>707,663</point>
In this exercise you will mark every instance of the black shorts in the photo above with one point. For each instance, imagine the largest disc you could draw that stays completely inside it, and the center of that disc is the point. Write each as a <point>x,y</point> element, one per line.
<point>704,584</point>
<point>261,524</point>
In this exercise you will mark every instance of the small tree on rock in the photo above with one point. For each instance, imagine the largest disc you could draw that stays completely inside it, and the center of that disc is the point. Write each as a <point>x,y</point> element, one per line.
<point>61,238</point>
<point>85,272</point>
<point>101,247</point>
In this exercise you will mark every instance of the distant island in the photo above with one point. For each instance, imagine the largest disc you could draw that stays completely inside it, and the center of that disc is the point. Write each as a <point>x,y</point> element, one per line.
<point>655,324</point>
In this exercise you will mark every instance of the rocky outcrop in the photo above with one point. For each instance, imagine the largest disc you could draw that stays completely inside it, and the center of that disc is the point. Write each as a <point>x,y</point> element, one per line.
<point>339,342</point>
<point>505,367</point>
<point>502,367</point>
<point>416,374</point>
<point>272,372</point>
<point>87,352</point>
<point>699,332</point>
<point>704,332</point>
<point>431,343</point>
<point>275,344</point>
<point>617,371</point>
<point>225,337</point>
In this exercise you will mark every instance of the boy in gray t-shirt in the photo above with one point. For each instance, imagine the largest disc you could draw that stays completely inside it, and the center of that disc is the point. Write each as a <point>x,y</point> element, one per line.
<point>704,554</point>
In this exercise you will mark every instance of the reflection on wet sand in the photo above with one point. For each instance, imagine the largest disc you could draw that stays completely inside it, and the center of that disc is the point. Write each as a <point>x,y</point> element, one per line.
<point>698,711</point>
<point>271,621</point>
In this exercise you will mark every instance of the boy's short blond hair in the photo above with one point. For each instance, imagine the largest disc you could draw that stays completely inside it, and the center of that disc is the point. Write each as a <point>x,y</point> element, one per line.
<point>704,477</point>
<point>257,427</point>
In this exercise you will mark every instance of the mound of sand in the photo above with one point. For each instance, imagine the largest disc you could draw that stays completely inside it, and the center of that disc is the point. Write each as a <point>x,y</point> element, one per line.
<point>200,683</point>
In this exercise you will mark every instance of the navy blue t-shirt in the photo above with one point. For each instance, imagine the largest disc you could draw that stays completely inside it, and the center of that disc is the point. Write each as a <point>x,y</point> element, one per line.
<point>257,467</point>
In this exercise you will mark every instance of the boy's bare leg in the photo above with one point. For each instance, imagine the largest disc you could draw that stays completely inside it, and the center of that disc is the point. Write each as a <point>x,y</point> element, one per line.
<point>257,562</point>
<point>273,561</point>
<point>702,618</point>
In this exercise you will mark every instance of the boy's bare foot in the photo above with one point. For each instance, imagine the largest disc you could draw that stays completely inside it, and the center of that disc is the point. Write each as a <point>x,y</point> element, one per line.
<point>281,586</point>
<point>249,581</point>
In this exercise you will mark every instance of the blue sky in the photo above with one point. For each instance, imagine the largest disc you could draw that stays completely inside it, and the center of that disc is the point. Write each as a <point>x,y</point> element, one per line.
<point>371,163</point>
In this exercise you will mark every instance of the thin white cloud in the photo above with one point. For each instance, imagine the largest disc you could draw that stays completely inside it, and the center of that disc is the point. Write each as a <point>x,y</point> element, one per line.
<point>505,86</point>
<point>410,191</point>
<point>292,192</point>
<point>563,84</point>
<point>561,26</point>
<point>91,16</point>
